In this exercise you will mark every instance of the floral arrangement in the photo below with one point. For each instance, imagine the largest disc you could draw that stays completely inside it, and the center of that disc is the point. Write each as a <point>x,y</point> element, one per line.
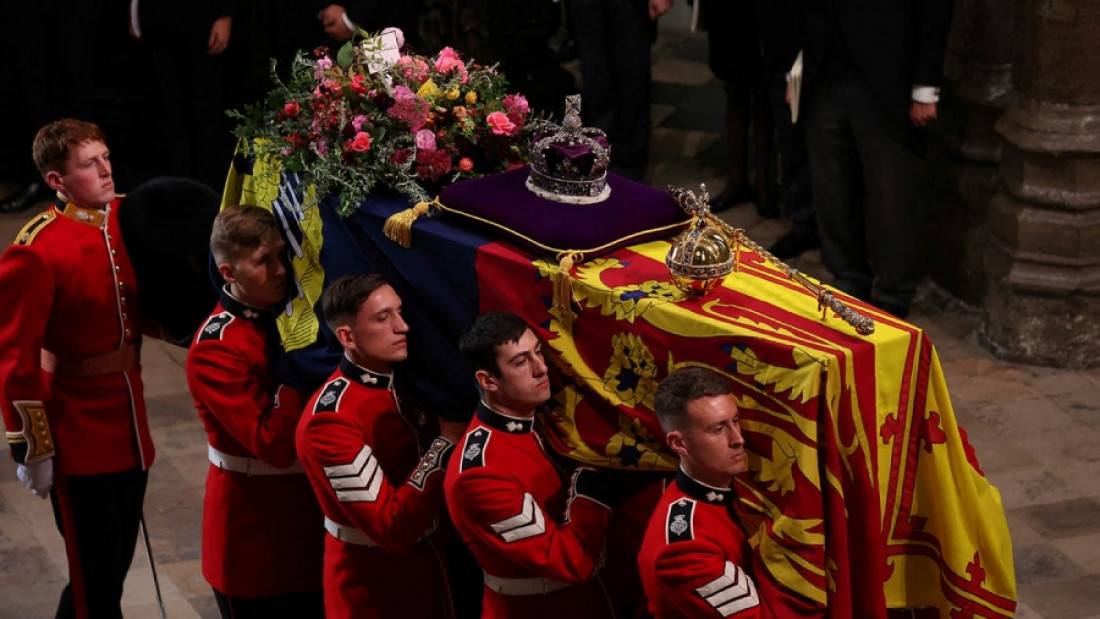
<point>374,118</point>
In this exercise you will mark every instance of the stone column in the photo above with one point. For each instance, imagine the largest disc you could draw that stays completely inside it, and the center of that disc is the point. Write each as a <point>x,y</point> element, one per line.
<point>1042,299</point>
<point>966,150</point>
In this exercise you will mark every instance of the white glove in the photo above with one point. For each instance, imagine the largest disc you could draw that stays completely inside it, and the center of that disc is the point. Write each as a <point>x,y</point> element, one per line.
<point>38,476</point>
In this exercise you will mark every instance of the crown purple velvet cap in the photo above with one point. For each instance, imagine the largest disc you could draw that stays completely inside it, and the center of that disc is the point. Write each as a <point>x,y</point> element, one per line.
<point>633,213</point>
<point>569,162</point>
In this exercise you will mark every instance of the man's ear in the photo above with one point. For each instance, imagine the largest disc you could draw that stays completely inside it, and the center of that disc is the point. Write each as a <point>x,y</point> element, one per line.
<point>675,441</point>
<point>54,180</point>
<point>486,381</point>
<point>226,271</point>
<point>345,336</point>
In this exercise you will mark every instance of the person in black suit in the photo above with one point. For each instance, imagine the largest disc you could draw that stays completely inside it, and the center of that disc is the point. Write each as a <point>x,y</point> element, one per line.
<point>187,42</point>
<point>613,39</point>
<point>782,37</point>
<point>872,70</point>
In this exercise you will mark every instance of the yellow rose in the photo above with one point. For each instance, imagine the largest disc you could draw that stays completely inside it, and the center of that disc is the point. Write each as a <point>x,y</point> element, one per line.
<point>452,94</point>
<point>471,98</point>
<point>427,90</point>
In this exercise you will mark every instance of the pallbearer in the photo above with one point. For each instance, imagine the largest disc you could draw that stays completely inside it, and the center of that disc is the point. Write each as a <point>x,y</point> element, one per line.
<point>376,465</point>
<point>262,535</point>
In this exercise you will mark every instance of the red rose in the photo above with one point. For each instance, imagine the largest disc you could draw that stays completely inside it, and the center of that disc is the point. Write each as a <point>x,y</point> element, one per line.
<point>358,84</point>
<point>465,164</point>
<point>360,143</point>
<point>291,108</point>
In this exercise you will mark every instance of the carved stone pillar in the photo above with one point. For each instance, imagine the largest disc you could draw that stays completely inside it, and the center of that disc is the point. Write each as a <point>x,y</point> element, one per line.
<point>967,150</point>
<point>1042,299</point>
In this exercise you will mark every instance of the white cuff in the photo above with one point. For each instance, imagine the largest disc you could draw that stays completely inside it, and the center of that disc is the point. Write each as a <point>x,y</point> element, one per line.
<point>347,22</point>
<point>926,94</point>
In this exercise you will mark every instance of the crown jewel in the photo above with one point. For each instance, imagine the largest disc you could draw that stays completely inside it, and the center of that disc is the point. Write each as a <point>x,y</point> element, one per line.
<point>569,163</point>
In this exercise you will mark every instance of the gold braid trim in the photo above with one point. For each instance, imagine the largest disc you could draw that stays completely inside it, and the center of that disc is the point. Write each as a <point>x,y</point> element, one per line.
<point>579,253</point>
<point>36,431</point>
<point>563,288</point>
<point>398,227</point>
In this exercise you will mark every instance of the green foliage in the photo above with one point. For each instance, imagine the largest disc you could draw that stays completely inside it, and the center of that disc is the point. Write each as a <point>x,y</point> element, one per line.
<point>411,127</point>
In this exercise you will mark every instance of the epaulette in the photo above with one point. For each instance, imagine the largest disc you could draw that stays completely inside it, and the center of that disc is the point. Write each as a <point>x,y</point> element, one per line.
<point>473,450</point>
<point>679,525</point>
<point>214,326</point>
<point>329,400</point>
<point>34,226</point>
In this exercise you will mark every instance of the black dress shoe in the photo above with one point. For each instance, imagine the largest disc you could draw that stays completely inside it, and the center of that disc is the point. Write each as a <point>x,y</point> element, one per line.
<point>794,244</point>
<point>33,193</point>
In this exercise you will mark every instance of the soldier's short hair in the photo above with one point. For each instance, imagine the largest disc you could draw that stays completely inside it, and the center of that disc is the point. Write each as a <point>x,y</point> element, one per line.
<point>239,229</point>
<point>343,298</point>
<point>680,388</point>
<point>480,341</point>
<point>53,143</point>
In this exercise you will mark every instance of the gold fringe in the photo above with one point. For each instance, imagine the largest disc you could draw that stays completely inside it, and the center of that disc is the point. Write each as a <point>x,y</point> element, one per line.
<point>398,227</point>
<point>563,289</point>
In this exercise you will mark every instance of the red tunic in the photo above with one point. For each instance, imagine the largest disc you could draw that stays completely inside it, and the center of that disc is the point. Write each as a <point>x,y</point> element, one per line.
<point>262,535</point>
<point>694,555</point>
<point>363,458</point>
<point>508,500</point>
<point>68,288</point>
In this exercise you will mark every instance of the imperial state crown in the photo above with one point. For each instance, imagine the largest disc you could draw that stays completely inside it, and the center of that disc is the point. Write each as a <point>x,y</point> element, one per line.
<point>569,162</point>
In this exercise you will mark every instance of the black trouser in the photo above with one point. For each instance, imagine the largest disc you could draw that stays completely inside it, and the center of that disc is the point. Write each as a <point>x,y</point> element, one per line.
<point>863,172</point>
<point>195,134</point>
<point>613,39</point>
<point>795,192</point>
<point>309,605</point>
<point>98,515</point>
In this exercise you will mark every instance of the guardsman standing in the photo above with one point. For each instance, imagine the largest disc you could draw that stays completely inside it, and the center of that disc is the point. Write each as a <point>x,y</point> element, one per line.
<point>539,548</point>
<point>262,535</point>
<point>70,375</point>
<point>695,551</point>
<point>365,456</point>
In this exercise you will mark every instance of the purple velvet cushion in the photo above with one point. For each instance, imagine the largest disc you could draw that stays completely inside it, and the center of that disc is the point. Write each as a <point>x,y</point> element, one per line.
<point>622,219</point>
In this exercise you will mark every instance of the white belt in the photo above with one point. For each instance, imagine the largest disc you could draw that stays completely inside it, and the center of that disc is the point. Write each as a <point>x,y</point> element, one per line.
<point>523,586</point>
<point>247,465</point>
<point>346,534</point>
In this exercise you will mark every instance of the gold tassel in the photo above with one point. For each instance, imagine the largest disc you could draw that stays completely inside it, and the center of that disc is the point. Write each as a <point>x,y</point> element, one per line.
<point>563,290</point>
<point>398,227</point>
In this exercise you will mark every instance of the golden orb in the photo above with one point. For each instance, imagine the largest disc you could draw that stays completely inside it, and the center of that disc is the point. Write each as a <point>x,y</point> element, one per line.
<point>699,259</point>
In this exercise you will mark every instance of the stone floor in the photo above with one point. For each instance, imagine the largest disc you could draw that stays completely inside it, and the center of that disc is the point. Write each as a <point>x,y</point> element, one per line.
<point>1036,430</point>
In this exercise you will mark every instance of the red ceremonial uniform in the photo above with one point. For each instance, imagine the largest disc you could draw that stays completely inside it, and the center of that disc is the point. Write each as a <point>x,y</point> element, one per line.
<point>69,341</point>
<point>262,530</point>
<point>380,497</point>
<point>693,556</point>
<point>508,500</point>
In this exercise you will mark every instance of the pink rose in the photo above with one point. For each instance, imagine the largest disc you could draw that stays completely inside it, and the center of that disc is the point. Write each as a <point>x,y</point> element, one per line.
<point>357,122</point>
<point>447,60</point>
<point>323,63</point>
<point>360,143</point>
<point>413,68</point>
<point>425,139</point>
<point>501,124</point>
